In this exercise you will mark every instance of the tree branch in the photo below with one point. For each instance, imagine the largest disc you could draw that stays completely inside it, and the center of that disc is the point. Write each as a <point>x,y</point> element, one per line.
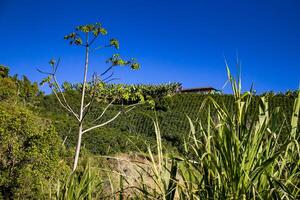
<point>105,109</point>
<point>89,105</point>
<point>57,86</point>
<point>56,66</point>
<point>103,124</point>
<point>108,77</point>
<point>64,98</point>
<point>93,40</point>
<point>131,107</point>
<point>63,105</point>
<point>42,72</point>
<point>107,70</point>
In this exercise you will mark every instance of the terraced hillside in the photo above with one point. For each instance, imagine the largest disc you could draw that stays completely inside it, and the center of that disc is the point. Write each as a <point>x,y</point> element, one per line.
<point>133,130</point>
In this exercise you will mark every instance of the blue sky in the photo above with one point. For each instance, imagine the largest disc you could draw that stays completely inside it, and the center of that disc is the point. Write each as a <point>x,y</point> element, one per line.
<point>182,41</point>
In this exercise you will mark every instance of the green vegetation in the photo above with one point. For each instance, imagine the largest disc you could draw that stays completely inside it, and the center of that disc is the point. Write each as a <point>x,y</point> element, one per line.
<point>171,112</point>
<point>238,156</point>
<point>31,150</point>
<point>235,154</point>
<point>125,94</point>
<point>199,147</point>
<point>31,153</point>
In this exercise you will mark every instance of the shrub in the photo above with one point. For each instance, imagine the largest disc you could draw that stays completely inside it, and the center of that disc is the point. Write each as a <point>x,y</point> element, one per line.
<point>30,154</point>
<point>8,89</point>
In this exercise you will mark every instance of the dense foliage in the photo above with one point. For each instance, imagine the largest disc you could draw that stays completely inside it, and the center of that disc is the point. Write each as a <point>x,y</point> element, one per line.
<point>17,89</point>
<point>125,94</point>
<point>31,150</point>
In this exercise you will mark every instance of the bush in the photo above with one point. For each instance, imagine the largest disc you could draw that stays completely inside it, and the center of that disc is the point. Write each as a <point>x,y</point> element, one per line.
<point>30,154</point>
<point>8,89</point>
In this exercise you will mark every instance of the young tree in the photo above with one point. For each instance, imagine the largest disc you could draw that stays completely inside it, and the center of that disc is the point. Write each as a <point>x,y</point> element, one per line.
<point>85,36</point>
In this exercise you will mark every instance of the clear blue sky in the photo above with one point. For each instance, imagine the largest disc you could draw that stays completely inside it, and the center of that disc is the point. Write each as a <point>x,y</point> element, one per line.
<point>183,41</point>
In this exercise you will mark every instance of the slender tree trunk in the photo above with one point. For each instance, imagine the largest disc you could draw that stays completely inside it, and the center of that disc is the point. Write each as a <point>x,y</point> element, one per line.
<point>82,105</point>
<point>77,148</point>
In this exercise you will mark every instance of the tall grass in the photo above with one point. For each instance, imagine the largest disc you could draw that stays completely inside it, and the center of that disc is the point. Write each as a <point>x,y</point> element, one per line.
<point>234,155</point>
<point>84,184</point>
<point>238,157</point>
<point>162,172</point>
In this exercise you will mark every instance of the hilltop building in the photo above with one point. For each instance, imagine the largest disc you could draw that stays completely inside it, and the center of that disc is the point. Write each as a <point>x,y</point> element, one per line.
<point>200,90</point>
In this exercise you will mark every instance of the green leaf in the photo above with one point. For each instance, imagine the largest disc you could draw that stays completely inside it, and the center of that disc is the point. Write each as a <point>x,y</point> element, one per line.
<point>135,66</point>
<point>78,41</point>
<point>115,43</point>
<point>45,80</point>
<point>103,31</point>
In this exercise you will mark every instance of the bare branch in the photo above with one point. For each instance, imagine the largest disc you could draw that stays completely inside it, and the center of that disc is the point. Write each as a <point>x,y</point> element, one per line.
<point>65,139</point>
<point>105,109</point>
<point>56,66</point>
<point>103,124</point>
<point>100,47</point>
<point>108,77</point>
<point>87,105</point>
<point>97,48</point>
<point>93,40</point>
<point>131,107</point>
<point>107,70</point>
<point>42,72</point>
<point>63,105</point>
<point>63,102</point>
<point>64,98</point>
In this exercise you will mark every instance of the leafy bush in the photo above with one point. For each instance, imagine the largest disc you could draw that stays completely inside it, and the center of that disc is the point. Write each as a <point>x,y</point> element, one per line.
<point>4,71</point>
<point>8,89</point>
<point>30,154</point>
<point>14,89</point>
